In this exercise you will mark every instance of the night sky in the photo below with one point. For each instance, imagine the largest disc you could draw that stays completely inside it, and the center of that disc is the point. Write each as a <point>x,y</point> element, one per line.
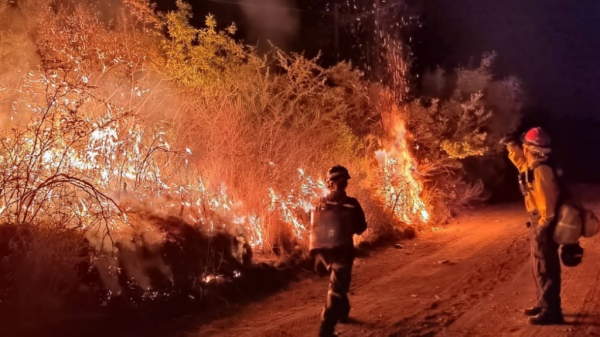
<point>552,45</point>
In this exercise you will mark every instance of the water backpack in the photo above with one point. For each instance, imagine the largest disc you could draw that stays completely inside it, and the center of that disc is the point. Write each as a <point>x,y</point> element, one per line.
<point>331,226</point>
<point>573,220</point>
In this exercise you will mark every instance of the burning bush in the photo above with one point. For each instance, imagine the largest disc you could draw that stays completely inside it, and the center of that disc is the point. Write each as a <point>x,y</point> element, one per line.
<point>151,141</point>
<point>113,118</point>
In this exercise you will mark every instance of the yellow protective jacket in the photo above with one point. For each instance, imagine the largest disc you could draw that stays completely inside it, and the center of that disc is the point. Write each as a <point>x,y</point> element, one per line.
<point>542,192</point>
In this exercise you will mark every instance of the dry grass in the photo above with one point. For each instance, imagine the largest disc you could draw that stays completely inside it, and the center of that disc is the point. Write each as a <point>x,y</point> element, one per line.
<point>119,121</point>
<point>40,271</point>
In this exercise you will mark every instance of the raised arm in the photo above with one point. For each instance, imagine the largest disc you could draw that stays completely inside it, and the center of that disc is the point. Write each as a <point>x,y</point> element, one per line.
<point>516,156</point>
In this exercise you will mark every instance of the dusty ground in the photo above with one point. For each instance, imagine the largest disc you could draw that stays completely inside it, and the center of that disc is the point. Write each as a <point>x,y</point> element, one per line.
<point>471,278</point>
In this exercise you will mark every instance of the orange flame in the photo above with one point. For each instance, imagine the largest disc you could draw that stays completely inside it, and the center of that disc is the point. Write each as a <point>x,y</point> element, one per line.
<point>399,187</point>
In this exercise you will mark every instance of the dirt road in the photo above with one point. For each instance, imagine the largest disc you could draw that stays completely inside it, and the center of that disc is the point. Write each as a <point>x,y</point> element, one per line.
<point>471,278</point>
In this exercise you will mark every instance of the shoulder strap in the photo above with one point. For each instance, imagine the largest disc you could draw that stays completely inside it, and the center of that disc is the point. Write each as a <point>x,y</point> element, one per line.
<point>322,203</point>
<point>565,193</point>
<point>543,163</point>
<point>325,203</point>
<point>346,203</point>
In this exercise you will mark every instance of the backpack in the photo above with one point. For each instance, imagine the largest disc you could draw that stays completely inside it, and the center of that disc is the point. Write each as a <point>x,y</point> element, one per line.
<point>331,226</point>
<point>573,219</point>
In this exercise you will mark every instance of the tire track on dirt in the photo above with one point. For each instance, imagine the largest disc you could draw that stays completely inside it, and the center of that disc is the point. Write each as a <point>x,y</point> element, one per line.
<point>465,293</point>
<point>430,250</point>
<point>501,313</point>
<point>472,245</point>
<point>478,247</point>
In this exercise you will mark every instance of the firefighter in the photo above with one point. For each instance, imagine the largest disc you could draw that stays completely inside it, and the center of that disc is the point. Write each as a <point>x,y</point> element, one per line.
<point>341,217</point>
<point>541,190</point>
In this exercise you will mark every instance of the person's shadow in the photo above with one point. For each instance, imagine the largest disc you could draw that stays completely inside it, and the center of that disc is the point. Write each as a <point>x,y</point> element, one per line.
<point>582,319</point>
<point>352,321</point>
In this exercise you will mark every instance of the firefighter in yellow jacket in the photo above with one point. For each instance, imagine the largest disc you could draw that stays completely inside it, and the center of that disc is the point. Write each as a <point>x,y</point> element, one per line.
<point>542,193</point>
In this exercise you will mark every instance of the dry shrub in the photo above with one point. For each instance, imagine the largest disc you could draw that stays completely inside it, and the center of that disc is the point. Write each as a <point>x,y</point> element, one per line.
<point>145,114</point>
<point>49,274</point>
<point>463,114</point>
<point>85,142</point>
<point>254,135</point>
<point>40,272</point>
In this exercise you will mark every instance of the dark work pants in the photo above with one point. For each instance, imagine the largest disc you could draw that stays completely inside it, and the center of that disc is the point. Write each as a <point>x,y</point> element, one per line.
<point>545,264</point>
<point>339,266</point>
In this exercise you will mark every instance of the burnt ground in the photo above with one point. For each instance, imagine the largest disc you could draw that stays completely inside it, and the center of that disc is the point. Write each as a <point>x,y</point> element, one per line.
<point>470,278</point>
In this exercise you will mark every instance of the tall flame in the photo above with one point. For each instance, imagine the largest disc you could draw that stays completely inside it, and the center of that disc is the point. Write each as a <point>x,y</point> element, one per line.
<point>399,188</point>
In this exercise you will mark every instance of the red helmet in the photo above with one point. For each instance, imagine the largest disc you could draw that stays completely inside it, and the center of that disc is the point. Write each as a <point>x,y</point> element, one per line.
<point>537,137</point>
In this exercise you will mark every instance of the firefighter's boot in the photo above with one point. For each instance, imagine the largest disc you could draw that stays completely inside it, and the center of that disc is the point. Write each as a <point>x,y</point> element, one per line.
<point>326,330</point>
<point>547,317</point>
<point>533,311</point>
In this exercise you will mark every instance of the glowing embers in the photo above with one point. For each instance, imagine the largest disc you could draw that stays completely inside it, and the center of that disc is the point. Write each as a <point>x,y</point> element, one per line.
<point>216,209</point>
<point>290,207</point>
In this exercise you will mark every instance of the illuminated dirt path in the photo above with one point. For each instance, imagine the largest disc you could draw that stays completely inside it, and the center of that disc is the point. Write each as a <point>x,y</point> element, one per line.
<point>470,279</point>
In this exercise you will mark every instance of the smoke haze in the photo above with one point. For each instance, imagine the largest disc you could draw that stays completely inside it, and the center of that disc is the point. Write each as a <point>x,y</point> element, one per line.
<point>271,20</point>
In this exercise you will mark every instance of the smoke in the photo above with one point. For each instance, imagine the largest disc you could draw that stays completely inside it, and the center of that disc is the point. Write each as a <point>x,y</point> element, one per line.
<point>273,20</point>
<point>17,55</point>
